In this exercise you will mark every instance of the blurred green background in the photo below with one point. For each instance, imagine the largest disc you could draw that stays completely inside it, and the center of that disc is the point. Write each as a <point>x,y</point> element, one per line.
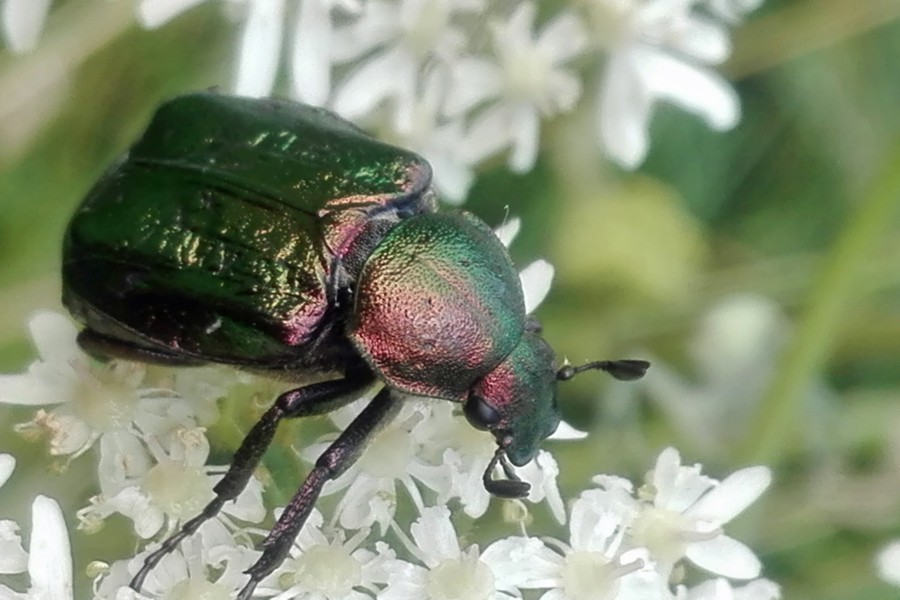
<point>791,218</point>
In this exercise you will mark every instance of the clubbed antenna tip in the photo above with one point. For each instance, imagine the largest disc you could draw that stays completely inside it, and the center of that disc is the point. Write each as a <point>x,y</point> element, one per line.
<point>624,370</point>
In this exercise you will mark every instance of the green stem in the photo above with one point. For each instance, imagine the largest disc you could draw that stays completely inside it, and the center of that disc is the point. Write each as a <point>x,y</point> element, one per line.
<point>837,285</point>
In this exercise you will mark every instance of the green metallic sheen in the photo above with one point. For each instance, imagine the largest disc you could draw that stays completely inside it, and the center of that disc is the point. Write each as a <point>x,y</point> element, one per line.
<point>231,209</point>
<point>522,389</point>
<point>438,305</point>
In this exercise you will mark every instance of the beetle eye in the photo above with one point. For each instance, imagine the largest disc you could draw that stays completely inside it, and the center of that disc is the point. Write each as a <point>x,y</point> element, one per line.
<point>480,414</point>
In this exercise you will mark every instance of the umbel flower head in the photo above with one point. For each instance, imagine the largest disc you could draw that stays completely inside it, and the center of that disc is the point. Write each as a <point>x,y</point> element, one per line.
<point>389,541</point>
<point>461,80</point>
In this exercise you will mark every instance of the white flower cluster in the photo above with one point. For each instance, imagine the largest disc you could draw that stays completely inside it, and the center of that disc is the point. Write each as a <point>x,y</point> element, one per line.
<point>48,561</point>
<point>151,444</point>
<point>462,80</point>
<point>624,542</point>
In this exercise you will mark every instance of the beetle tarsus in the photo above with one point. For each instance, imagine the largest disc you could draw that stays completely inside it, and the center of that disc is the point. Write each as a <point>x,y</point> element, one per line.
<point>312,399</point>
<point>188,529</point>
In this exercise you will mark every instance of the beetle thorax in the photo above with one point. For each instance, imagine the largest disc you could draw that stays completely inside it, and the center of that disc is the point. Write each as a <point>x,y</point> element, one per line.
<point>438,304</point>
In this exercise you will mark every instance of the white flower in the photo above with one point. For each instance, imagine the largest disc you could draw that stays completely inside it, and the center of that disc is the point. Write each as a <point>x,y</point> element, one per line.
<point>262,38</point>
<point>185,572</point>
<point>525,82</point>
<point>736,353</point>
<point>657,50</point>
<point>684,512</point>
<point>393,455</point>
<point>259,49</point>
<point>325,565</point>
<point>448,572</point>
<point>888,563</point>
<point>722,589</point>
<point>170,487</point>
<point>439,141</point>
<point>13,558</point>
<point>49,555</point>
<point>91,400</point>
<point>391,42</point>
<point>594,566</point>
<point>21,23</point>
<point>458,455</point>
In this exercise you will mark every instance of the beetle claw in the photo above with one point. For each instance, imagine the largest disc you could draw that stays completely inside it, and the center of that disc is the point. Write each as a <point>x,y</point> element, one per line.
<point>512,487</point>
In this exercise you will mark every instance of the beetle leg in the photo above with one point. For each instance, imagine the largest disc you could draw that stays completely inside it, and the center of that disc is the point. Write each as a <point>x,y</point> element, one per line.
<point>312,399</point>
<point>336,459</point>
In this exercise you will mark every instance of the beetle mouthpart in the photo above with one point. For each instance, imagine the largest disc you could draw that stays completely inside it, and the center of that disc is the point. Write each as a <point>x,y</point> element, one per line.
<point>623,370</point>
<point>512,487</point>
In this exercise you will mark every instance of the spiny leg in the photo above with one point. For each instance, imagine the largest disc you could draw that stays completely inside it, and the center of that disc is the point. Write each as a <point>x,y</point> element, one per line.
<point>314,399</point>
<point>336,459</point>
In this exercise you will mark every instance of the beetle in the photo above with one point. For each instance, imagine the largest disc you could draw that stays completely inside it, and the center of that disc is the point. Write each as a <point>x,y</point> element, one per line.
<point>277,237</point>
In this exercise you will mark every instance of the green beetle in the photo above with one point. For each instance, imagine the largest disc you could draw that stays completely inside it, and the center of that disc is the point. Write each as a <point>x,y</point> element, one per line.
<point>278,237</point>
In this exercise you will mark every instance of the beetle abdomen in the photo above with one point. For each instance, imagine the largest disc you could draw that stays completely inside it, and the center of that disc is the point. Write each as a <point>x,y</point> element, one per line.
<point>217,235</point>
<point>208,271</point>
<point>438,305</point>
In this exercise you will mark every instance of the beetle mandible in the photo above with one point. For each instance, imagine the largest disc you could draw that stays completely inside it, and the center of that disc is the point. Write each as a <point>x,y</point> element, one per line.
<point>277,237</point>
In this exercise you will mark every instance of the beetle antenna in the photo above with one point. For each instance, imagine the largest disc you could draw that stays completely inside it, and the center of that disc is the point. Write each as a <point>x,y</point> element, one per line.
<point>513,487</point>
<point>623,370</point>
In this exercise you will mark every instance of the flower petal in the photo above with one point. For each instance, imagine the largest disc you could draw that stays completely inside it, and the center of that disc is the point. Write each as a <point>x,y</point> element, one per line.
<point>728,499</point>
<point>536,279</point>
<point>260,48</point>
<point>311,59</point>
<point>888,563</point>
<point>519,562</point>
<point>724,556</point>
<point>50,556</point>
<point>7,465</point>
<point>13,558</point>
<point>367,86</point>
<point>624,112</point>
<point>155,13</point>
<point>563,38</point>
<point>54,337</point>
<point>566,432</point>
<point>665,475</point>
<point>474,81</point>
<point>758,589</point>
<point>508,231</point>
<point>704,40</point>
<point>435,536</point>
<point>525,125</point>
<point>22,22</point>
<point>487,134</point>
<point>696,90</point>
<point>26,390</point>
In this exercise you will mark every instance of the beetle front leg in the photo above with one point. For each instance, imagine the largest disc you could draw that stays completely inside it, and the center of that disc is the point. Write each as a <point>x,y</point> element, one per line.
<point>314,399</point>
<point>336,459</point>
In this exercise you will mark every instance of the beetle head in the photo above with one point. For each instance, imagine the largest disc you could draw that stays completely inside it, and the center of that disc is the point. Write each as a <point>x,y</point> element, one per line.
<point>517,403</point>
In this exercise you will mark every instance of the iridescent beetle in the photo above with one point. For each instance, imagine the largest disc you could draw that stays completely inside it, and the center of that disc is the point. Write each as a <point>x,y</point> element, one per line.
<point>277,237</point>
